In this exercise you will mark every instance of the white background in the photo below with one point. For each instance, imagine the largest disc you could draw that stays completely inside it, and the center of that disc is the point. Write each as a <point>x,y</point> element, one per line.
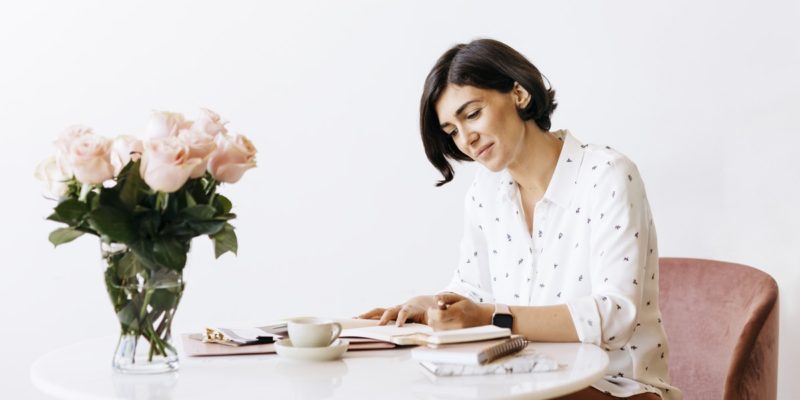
<point>342,214</point>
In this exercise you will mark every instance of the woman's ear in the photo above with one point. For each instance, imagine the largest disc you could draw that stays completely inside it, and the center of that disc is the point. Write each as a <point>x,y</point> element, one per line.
<point>521,96</point>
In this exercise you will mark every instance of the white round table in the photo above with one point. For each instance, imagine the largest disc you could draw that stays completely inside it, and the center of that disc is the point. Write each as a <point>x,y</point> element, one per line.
<point>83,371</point>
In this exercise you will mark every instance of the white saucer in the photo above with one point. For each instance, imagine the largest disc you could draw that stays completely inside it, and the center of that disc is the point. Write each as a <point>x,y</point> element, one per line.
<point>335,350</point>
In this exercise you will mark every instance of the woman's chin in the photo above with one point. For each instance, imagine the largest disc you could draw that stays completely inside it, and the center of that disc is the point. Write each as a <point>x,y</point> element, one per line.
<point>492,166</point>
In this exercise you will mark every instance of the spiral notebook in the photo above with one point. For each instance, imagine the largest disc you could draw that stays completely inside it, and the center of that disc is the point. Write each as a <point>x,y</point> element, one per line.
<point>474,353</point>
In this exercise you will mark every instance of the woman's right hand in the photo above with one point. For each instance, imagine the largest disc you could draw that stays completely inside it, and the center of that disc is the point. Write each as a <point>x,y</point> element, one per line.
<point>413,310</point>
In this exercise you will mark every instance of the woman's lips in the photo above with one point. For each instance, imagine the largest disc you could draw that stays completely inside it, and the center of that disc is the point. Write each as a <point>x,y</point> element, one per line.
<point>485,150</point>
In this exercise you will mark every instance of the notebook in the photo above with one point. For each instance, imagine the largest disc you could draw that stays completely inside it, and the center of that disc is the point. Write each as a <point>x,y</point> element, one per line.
<point>195,345</point>
<point>525,361</point>
<point>473,353</point>
<point>242,336</point>
<point>418,334</point>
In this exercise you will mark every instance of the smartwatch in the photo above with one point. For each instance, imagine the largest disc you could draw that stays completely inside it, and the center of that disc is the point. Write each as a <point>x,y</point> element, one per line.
<point>502,316</point>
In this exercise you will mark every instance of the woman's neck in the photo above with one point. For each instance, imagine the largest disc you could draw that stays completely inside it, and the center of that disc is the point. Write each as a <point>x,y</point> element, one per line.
<point>536,159</point>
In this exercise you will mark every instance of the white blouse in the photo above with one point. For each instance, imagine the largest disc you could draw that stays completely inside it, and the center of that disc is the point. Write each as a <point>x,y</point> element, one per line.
<point>593,247</point>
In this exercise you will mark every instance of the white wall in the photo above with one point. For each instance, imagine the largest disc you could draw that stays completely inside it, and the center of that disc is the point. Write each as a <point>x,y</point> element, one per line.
<point>341,215</point>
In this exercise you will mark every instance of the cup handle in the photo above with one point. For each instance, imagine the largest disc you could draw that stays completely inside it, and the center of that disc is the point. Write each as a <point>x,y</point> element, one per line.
<point>337,331</point>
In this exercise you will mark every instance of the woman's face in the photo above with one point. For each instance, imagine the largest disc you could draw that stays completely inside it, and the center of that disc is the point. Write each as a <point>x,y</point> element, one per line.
<point>483,123</point>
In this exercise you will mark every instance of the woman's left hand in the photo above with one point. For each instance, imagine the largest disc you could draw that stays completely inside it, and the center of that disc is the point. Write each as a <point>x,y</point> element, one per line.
<point>455,311</point>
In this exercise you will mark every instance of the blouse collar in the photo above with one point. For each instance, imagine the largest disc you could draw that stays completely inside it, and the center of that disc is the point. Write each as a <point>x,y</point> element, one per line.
<point>565,176</point>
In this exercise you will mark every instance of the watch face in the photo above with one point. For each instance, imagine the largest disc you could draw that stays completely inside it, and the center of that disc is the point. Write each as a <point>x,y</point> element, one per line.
<point>503,320</point>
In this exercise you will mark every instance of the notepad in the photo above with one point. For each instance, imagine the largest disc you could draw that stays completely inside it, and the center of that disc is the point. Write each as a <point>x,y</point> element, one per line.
<point>418,334</point>
<point>473,353</point>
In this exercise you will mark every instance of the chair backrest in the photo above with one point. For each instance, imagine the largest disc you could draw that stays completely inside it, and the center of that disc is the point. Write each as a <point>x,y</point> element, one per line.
<point>721,321</point>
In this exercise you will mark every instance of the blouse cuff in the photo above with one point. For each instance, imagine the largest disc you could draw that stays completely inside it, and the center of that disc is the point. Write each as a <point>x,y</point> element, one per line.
<point>586,319</point>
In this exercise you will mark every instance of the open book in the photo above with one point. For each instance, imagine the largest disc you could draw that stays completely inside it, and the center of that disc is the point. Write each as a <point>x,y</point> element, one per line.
<point>418,334</point>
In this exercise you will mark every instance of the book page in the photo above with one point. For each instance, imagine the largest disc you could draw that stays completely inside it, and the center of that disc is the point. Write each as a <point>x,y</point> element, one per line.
<point>388,333</point>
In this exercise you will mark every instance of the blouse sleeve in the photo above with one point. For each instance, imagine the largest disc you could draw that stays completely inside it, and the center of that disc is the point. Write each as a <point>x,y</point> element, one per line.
<point>619,242</point>
<point>471,276</point>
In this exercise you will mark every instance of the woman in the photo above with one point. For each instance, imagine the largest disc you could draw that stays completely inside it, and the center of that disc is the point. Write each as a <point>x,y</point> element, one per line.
<point>558,230</point>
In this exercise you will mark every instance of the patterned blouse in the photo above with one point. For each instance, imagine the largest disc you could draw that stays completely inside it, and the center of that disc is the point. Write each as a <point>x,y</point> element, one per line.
<point>593,248</point>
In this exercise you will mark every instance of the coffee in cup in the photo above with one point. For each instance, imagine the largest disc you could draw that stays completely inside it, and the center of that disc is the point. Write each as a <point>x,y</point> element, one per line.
<point>313,332</point>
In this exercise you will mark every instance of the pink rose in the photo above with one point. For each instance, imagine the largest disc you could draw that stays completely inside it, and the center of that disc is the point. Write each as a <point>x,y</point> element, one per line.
<point>124,149</point>
<point>200,146</point>
<point>54,176</point>
<point>209,123</point>
<point>166,164</point>
<point>88,158</point>
<point>63,142</point>
<point>165,123</point>
<point>235,154</point>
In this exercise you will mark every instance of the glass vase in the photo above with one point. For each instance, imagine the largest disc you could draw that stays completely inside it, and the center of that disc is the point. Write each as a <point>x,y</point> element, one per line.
<point>145,298</point>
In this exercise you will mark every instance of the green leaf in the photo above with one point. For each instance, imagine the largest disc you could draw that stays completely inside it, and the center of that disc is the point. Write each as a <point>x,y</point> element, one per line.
<point>206,227</point>
<point>71,211</point>
<point>164,299</point>
<point>132,186</point>
<point>169,253</point>
<point>222,204</point>
<point>128,266</point>
<point>198,213</point>
<point>190,201</point>
<point>64,235</point>
<point>112,224</point>
<point>148,222</point>
<point>225,241</point>
<point>128,317</point>
<point>55,217</point>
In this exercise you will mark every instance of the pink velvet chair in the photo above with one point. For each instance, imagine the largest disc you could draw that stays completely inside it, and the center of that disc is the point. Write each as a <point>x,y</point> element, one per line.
<point>721,321</point>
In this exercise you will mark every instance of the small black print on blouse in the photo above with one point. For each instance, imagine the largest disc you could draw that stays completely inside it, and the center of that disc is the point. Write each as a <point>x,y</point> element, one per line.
<point>520,261</point>
<point>617,227</point>
<point>580,278</point>
<point>560,235</point>
<point>636,235</point>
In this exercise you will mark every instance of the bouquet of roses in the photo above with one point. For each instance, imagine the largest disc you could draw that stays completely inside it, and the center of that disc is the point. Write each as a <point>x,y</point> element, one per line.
<point>146,200</point>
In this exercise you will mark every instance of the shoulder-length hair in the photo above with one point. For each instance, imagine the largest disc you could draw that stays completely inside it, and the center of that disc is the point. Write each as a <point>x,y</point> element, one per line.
<point>486,64</point>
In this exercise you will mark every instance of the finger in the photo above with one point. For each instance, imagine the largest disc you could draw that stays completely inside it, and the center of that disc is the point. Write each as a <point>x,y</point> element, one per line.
<point>388,315</point>
<point>372,314</point>
<point>404,313</point>
<point>443,300</point>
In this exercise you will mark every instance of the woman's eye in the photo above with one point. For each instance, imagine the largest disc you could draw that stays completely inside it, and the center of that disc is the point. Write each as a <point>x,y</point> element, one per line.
<point>453,132</point>
<point>474,114</point>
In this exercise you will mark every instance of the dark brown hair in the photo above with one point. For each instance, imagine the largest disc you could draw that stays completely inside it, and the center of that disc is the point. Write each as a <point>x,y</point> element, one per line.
<point>486,64</point>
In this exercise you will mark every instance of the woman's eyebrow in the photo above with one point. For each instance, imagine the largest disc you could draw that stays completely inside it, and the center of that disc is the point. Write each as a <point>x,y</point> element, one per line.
<point>459,111</point>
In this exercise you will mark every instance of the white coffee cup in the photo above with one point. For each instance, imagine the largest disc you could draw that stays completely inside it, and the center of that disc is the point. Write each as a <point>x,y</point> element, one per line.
<point>313,332</point>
